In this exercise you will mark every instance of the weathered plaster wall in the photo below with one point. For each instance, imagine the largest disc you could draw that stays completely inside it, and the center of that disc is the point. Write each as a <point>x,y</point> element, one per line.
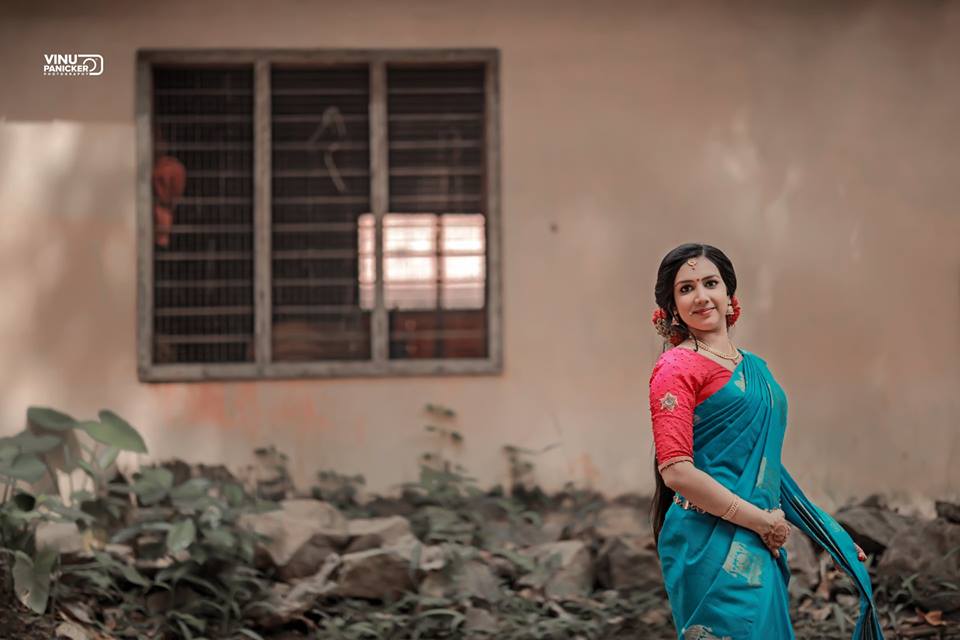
<point>815,142</point>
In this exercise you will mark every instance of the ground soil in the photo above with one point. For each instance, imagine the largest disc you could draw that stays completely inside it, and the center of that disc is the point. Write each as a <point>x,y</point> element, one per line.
<point>16,621</point>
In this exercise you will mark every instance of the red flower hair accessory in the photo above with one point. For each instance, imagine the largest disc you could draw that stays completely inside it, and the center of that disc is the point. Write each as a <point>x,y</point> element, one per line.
<point>733,317</point>
<point>664,329</point>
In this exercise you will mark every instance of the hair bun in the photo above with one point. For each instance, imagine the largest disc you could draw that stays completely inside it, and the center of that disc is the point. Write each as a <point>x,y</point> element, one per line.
<point>665,329</point>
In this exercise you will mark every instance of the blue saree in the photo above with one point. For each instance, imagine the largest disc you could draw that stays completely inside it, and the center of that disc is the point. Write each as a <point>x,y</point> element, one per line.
<point>722,581</point>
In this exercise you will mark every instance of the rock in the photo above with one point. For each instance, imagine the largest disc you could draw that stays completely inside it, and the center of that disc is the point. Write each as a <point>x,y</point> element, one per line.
<point>556,524</point>
<point>370,533</point>
<point>621,520</point>
<point>311,555</point>
<point>363,543</point>
<point>377,574</point>
<point>286,602</point>
<point>871,527</point>
<point>65,537</point>
<point>432,557</point>
<point>500,534</point>
<point>949,511</point>
<point>302,534</point>
<point>876,500</point>
<point>71,631</point>
<point>472,579</point>
<point>913,505</point>
<point>500,531</point>
<point>608,521</point>
<point>501,567</point>
<point>479,623</point>
<point>802,559</point>
<point>563,569</point>
<point>928,549</point>
<point>629,562</point>
<point>656,617</point>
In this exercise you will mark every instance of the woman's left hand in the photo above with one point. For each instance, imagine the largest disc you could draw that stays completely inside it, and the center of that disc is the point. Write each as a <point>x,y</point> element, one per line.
<point>860,554</point>
<point>777,533</point>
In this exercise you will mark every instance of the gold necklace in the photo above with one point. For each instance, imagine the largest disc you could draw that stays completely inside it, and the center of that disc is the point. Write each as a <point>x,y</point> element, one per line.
<point>732,357</point>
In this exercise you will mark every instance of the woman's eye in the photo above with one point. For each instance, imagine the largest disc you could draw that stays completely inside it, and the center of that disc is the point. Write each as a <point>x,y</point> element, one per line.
<point>712,283</point>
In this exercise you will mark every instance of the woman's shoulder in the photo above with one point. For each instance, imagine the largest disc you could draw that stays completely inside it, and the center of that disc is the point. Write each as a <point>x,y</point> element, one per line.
<point>678,362</point>
<point>675,356</point>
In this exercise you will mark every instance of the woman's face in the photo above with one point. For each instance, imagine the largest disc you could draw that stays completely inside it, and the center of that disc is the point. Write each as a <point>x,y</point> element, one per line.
<point>701,295</point>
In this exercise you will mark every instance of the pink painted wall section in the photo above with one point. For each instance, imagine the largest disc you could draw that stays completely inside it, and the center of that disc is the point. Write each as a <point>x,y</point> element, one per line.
<point>815,142</point>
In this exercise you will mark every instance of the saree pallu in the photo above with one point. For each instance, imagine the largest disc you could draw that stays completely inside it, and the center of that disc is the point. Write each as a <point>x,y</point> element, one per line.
<point>722,581</point>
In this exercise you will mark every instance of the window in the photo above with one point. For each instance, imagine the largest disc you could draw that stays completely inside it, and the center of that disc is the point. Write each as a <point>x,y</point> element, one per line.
<point>318,213</point>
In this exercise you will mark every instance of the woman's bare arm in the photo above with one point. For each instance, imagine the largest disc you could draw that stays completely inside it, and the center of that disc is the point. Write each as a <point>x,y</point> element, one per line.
<point>708,494</point>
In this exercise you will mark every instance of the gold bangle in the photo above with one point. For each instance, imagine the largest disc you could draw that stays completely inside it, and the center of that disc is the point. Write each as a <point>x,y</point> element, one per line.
<point>732,509</point>
<point>737,508</point>
<point>729,507</point>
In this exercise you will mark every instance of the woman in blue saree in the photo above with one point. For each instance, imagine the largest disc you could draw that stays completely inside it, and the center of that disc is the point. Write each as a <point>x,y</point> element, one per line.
<point>723,496</point>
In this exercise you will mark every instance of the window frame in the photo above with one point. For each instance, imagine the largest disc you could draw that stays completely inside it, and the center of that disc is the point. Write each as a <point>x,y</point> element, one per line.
<point>262,368</point>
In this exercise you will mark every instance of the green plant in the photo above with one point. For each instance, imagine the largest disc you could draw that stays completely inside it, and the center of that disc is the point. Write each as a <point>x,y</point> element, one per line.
<point>443,481</point>
<point>54,442</point>
<point>519,465</point>
<point>448,497</point>
<point>199,577</point>
<point>444,490</point>
<point>338,489</point>
<point>195,528</point>
<point>275,482</point>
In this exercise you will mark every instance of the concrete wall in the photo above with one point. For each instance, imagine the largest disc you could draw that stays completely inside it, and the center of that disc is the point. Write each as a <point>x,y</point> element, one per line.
<point>815,142</point>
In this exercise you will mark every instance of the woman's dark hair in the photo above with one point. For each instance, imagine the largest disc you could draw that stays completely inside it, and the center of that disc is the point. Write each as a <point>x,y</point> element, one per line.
<point>663,293</point>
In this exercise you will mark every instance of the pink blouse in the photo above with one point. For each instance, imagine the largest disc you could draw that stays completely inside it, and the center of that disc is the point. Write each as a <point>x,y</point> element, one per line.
<point>681,379</point>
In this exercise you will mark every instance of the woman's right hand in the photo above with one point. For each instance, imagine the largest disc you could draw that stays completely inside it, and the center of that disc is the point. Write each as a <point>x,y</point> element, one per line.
<point>775,531</point>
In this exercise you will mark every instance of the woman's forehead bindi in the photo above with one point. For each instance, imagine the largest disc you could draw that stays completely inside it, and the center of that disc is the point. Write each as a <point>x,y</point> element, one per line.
<point>703,270</point>
<point>706,277</point>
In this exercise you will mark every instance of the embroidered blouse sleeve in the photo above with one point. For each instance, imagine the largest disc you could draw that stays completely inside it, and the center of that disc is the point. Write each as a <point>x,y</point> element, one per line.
<point>673,393</point>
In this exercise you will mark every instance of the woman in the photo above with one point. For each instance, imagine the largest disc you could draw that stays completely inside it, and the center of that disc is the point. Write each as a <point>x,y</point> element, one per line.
<point>723,498</point>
